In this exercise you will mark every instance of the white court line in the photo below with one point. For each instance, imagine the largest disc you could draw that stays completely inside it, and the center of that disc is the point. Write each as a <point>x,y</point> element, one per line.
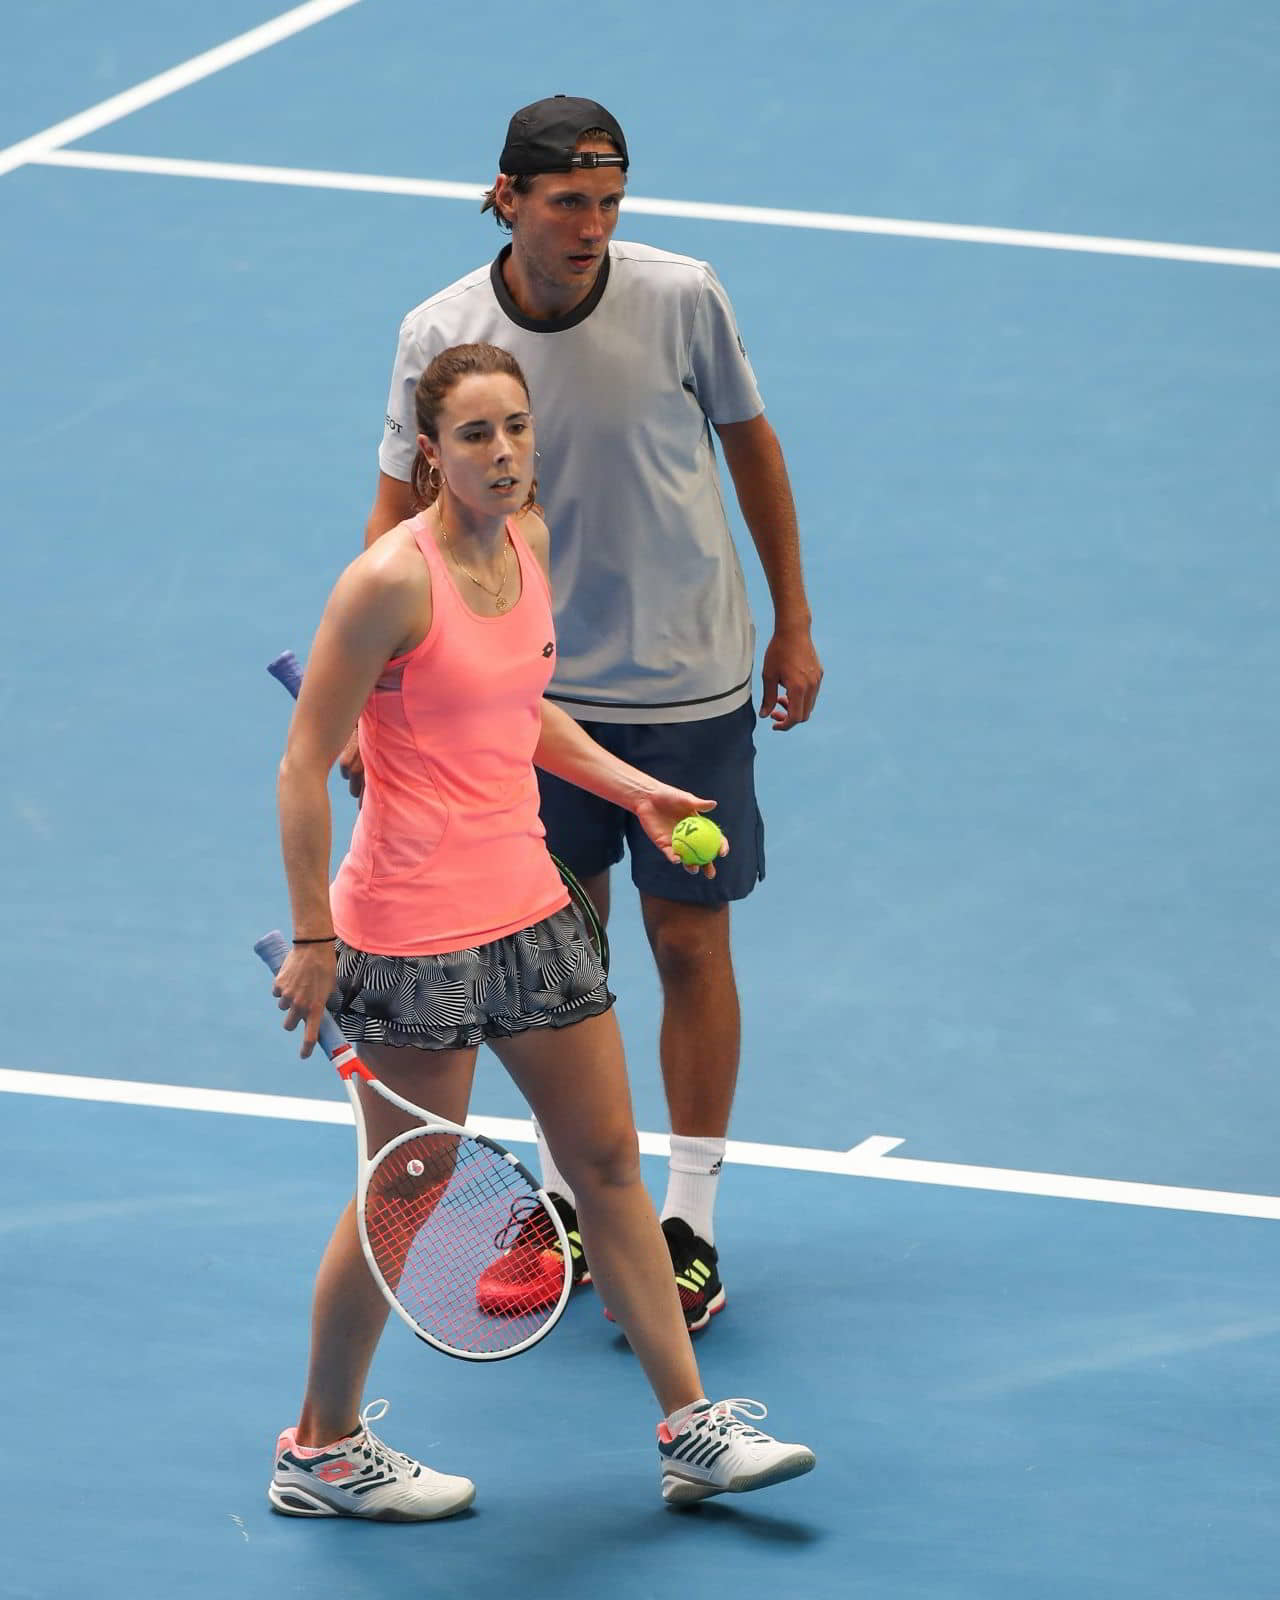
<point>40,145</point>
<point>238,172</point>
<point>707,211</point>
<point>866,1160</point>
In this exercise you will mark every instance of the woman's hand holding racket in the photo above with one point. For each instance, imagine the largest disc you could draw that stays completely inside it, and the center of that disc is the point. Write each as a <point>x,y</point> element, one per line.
<point>303,988</point>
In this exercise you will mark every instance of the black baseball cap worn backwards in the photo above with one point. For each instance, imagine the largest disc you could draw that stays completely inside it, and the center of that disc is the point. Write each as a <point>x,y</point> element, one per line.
<point>541,137</point>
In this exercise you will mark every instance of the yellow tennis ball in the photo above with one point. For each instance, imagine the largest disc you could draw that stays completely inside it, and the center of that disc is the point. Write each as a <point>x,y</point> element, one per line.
<point>696,840</point>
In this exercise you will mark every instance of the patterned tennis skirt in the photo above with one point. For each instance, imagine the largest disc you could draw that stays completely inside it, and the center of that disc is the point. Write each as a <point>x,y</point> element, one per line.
<point>545,976</point>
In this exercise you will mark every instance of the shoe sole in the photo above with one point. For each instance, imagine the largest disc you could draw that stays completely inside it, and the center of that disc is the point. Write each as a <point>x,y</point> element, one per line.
<point>712,1308</point>
<point>290,1501</point>
<point>681,1491</point>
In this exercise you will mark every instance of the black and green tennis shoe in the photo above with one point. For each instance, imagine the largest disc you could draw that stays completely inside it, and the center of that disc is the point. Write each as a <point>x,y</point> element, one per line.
<point>528,1275</point>
<point>697,1278</point>
<point>577,1256</point>
<point>693,1261</point>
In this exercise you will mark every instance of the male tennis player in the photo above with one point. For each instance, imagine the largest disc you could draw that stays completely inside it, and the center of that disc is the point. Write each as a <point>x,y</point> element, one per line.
<point>633,356</point>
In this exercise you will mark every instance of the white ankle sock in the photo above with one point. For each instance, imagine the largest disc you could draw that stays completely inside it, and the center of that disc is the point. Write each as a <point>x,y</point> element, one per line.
<point>553,1180</point>
<point>693,1174</point>
<point>677,1419</point>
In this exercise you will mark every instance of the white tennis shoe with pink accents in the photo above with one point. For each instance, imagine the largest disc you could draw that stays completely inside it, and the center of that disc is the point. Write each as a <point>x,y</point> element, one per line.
<point>714,1450</point>
<point>359,1476</point>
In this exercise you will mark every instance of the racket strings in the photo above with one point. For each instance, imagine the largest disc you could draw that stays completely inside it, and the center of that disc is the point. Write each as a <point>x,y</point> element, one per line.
<point>527,1208</point>
<point>440,1211</point>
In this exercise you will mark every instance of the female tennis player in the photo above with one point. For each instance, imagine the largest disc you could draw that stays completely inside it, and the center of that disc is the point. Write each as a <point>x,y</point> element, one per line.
<point>447,925</point>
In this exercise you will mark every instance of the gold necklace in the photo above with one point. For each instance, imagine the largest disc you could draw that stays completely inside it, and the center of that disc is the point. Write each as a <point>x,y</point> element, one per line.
<point>496,595</point>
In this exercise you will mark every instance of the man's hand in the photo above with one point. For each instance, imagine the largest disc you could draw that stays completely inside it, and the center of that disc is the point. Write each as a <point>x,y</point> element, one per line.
<point>792,677</point>
<point>350,765</point>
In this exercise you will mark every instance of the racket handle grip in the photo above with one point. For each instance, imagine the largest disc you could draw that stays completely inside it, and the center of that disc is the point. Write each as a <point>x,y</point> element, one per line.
<point>272,948</point>
<point>287,669</point>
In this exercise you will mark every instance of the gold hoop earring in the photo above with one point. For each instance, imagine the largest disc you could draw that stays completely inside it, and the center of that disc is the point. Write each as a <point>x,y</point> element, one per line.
<point>435,477</point>
<point>531,499</point>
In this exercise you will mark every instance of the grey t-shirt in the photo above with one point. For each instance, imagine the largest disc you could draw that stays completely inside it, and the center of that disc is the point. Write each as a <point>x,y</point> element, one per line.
<point>651,610</point>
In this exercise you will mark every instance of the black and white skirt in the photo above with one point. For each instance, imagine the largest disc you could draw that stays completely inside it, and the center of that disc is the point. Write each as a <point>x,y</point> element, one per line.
<point>545,976</point>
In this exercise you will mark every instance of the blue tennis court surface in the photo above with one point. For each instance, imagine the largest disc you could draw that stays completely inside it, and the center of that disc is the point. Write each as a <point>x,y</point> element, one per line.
<point>1022,903</point>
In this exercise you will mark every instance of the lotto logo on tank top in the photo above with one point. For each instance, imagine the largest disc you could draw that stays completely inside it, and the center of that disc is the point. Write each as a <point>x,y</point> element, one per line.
<point>549,648</point>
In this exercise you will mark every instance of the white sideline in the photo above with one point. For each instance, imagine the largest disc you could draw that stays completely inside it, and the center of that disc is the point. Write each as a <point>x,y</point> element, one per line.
<point>40,145</point>
<point>866,1160</point>
<point>702,210</point>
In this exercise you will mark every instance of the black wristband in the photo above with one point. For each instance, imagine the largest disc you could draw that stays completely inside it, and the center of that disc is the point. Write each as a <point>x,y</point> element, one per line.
<point>331,938</point>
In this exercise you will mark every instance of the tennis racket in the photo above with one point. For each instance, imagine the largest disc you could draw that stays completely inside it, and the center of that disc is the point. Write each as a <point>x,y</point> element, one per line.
<point>439,1209</point>
<point>287,669</point>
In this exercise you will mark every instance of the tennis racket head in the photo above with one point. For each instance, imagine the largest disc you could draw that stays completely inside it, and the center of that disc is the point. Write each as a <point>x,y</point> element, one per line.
<point>464,1244</point>
<point>467,1249</point>
<point>582,903</point>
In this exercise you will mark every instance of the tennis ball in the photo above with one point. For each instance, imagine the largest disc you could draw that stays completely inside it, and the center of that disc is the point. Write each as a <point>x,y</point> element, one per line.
<point>696,840</point>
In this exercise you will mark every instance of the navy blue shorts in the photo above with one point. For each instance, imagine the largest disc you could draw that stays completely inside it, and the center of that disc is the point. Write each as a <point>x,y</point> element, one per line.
<point>715,758</point>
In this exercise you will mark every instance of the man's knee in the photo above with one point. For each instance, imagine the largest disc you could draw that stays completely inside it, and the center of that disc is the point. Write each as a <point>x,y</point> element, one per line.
<point>687,940</point>
<point>597,891</point>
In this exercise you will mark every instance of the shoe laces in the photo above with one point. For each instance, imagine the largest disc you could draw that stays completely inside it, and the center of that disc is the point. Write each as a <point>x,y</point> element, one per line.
<point>725,1416</point>
<point>526,1210</point>
<point>378,1451</point>
<point>686,1247</point>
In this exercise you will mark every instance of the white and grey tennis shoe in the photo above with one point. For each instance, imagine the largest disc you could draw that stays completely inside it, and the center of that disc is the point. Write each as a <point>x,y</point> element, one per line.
<point>359,1476</point>
<point>714,1450</point>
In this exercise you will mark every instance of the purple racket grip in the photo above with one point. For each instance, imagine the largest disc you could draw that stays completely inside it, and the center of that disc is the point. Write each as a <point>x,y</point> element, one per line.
<point>272,948</point>
<point>287,670</point>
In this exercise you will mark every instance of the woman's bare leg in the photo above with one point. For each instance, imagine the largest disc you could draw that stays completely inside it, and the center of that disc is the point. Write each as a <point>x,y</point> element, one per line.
<point>575,1080</point>
<point>349,1312</point>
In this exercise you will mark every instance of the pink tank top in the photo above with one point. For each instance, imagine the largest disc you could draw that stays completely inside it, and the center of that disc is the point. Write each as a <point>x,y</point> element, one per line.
<point>448,850</point>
